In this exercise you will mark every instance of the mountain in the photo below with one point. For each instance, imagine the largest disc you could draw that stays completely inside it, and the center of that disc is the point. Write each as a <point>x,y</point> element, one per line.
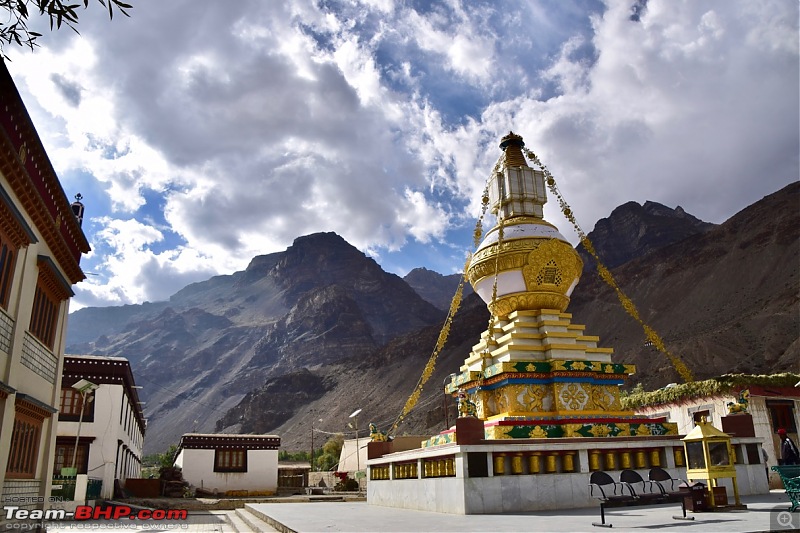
<point>434,287</point>
<point>725,300</point>
<point>320,330</point>
<point>318,302</point>
<point>633,230</point>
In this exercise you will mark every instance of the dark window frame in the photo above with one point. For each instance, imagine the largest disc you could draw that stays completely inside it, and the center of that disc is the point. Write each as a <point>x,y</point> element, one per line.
<point>70,406</point>
<point>8,263</point>
<point>230,460</point>
<point>44,315</point>
<point>23,456</point>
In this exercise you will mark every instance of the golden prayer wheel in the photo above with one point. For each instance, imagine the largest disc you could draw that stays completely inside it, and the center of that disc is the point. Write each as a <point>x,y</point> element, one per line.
<point>569,462</point>
<point>550,463</point>
<point>594,460</point>
<point>625,460</point>
<point>516,464</point>
<point>641,459</point>
<point>678,453</point>
<point>655,457</point>
<point>534,463</point>
<point>611,460</point>
<point>499,464</point>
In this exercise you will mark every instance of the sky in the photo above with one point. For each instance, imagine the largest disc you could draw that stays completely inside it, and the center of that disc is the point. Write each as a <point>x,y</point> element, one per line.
<point>202,134</point>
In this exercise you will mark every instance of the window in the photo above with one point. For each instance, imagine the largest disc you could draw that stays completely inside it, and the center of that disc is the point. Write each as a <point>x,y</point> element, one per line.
<point>230,461</point>
<point>44,316</point>
<point>70,409</point>
<point>24,447</point>
<point>782,413</point>
<point>8,257</point>
<point>64,452</point>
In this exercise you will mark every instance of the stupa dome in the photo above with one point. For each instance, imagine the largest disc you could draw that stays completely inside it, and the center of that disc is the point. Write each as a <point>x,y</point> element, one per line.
<point>536,267</point>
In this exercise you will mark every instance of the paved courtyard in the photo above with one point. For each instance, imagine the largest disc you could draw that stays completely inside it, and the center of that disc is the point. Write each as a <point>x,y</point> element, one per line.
<point>766,512</point>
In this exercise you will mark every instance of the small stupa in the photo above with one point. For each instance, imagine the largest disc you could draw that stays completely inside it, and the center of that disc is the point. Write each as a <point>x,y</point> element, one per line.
<point>534,374</point>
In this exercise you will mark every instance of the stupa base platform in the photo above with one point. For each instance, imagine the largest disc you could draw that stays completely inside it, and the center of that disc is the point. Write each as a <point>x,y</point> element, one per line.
<point>522,475</point>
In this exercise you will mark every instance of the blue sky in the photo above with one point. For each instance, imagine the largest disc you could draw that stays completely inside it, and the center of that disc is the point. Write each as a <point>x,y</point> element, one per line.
<point>202,134</point>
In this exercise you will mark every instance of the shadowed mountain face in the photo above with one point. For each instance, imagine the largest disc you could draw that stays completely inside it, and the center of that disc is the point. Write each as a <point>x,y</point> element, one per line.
<point>320,330</point>
<point>634,230</point>
<point>435,288</point>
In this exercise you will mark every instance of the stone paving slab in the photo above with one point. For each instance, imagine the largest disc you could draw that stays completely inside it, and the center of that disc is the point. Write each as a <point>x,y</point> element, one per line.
<point>196,522</point>
<point>765,512</point>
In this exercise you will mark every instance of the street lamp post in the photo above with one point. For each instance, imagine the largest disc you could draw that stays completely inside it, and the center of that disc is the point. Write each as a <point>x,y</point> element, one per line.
<point>358,458</point>
<point>85,388</point>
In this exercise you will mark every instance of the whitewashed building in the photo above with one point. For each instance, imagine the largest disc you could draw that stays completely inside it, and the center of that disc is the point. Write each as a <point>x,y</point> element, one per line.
<point>240,465</point>
<point>41,244</point>
<point>109,446</point>
<point>774,403</point>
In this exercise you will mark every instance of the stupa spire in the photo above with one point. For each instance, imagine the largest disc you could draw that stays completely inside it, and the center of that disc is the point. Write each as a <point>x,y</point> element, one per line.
<point>512,145</point>
<point>516,190</point>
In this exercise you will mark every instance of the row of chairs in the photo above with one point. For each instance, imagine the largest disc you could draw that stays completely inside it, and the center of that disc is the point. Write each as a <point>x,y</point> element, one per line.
<point>632,490</point>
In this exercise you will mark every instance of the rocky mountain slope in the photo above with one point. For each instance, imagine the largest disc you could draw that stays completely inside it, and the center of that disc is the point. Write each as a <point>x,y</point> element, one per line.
<point>633,230</point>
<point>318,302</point>
<point>434,287</point>
<point>320,330</point>
<point>726,300</point>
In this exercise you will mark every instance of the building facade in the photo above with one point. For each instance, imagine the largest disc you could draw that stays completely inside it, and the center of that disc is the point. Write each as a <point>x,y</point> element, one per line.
<point>41,243</point>
<point>771,406</point>
<point>234,465</point>
<point>112,425</point>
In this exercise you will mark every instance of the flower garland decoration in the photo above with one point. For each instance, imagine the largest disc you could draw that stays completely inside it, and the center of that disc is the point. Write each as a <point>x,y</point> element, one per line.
<point>427,372</point>
<point>606,275</point>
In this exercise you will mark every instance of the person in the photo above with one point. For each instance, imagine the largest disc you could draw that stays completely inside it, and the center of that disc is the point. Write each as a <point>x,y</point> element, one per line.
<point>789,453</point>
<point>765,459</point>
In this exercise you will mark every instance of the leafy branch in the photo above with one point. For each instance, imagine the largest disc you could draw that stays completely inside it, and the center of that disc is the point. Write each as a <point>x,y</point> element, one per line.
<point>14,30</point>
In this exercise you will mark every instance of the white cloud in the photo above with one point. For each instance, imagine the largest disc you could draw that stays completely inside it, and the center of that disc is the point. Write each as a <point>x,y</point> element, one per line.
<point>257,123</point>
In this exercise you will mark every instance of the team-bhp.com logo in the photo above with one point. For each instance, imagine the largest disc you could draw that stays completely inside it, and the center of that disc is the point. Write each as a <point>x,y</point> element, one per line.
<point>16,515</point>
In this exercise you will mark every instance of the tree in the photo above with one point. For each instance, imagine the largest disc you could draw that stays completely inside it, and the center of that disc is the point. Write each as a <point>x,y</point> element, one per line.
<point>15,29</point>
<point>330,453</point>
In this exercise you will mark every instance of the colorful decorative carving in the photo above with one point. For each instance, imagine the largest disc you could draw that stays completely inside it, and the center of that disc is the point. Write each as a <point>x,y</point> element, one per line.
<point>375,435</point>
<point>466,407</point>
<point>741,404</point>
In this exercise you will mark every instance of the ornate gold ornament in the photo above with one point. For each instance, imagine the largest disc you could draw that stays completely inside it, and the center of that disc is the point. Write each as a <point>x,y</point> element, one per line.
<point>572,397</point>
<point>537,433</point>
<point>531,398</point>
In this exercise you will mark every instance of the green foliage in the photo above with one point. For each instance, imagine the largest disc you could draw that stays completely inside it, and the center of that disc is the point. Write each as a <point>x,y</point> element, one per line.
<point>14,28</point>
<point>346,485</point>
<point>151,464</point>
<point>285,455</point>
<point>331,451</point>
<point>637,389</point>
<point>728,383</point>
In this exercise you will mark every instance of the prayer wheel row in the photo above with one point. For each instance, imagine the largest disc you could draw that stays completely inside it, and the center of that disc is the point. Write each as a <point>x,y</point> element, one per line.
<point>444,467</point>
<point>633,458</point>
<point>533,463</point>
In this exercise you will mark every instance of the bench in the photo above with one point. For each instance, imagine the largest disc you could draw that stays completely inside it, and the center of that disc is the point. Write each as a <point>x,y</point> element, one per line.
<point>631,490</point>
<point>664,479</point>
<point>790,476</point>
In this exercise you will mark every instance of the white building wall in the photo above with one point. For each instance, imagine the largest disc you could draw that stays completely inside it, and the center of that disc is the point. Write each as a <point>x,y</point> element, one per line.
<point>718,406</point>
<point>261,475</point>
<point>106,461</point>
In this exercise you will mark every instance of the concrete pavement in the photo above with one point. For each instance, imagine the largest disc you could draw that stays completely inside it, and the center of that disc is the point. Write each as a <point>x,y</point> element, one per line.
<point>764,513</point>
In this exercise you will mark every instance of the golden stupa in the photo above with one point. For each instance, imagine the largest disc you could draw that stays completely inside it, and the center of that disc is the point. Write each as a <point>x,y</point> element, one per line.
<point>534,374</point>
